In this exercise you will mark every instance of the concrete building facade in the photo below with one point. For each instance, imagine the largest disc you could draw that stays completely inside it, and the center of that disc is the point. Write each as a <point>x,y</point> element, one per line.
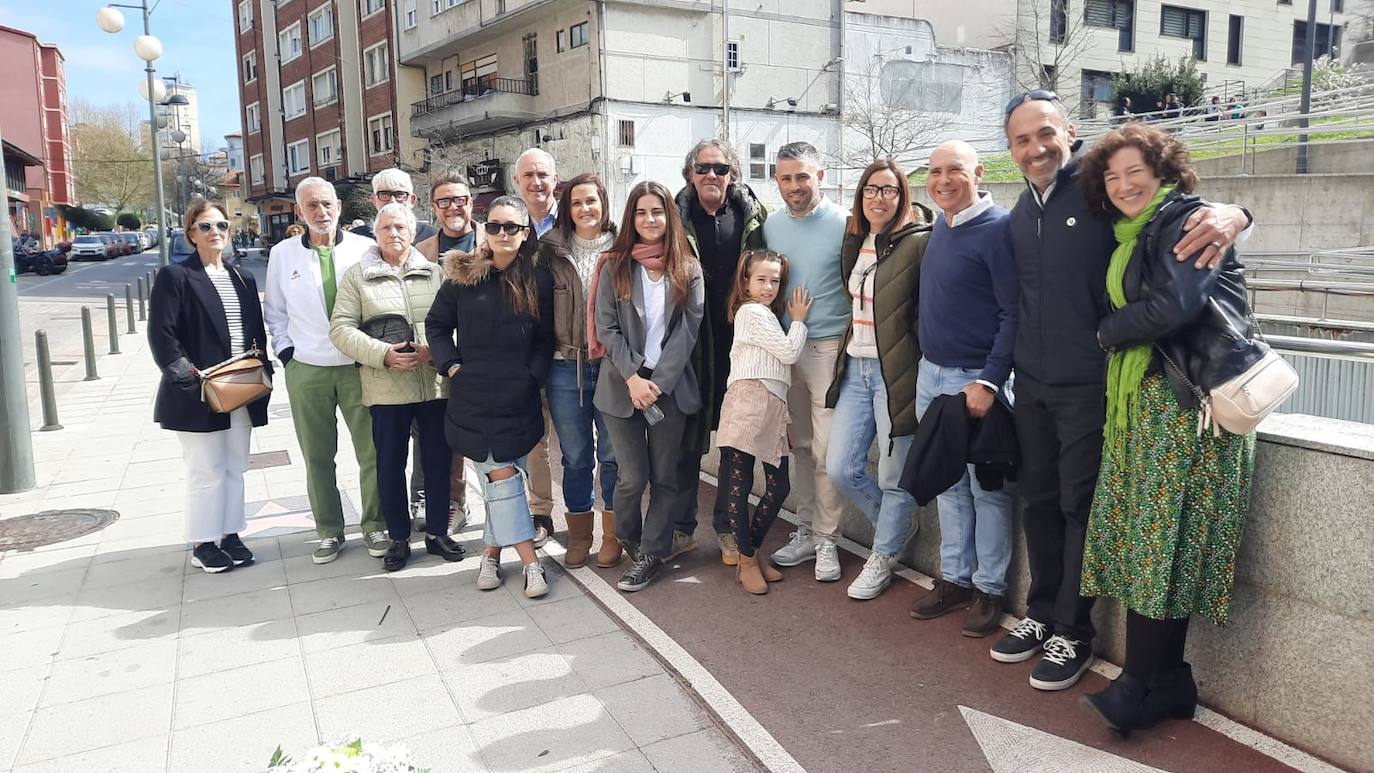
<point>184,118</point>
<point>38,154</point>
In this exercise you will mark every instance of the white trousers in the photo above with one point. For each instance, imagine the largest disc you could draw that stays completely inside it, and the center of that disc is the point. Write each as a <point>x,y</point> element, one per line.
<point>215,463</point>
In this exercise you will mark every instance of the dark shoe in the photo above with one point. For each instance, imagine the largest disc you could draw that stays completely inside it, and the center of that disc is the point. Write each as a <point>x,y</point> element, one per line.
<point>1021,643</point>
<point>238,552</point>
<point>944,598</point>
<point>396,556</point>
<point>1172,694</point>
<point>984,616</point>
<point>639,576</point>
<point>1121,706</point>
<point>1064,662</point>
<point>209,557</point>
<point>445,547</point>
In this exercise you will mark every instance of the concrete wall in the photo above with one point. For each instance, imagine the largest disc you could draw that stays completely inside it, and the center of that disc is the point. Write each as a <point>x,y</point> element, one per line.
<point>1344,158</point>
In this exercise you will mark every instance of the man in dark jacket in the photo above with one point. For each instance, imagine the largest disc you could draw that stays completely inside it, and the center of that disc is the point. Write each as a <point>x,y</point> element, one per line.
<point>391,185</point>
<point>1062,249</point>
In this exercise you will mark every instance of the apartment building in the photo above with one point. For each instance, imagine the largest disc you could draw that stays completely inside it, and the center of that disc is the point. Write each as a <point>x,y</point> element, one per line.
<point>38,153</point>
<point>180,118</point>
<point>319,90</point>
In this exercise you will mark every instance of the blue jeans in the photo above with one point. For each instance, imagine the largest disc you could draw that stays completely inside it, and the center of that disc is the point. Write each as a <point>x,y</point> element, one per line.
<point>573,420</point>
<point>508,510</point>
<point>861,416</point>
<point>975,524</point>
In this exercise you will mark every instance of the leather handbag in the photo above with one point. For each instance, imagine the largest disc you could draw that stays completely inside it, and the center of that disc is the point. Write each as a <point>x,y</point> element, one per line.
<point>236,382</point>
<point>1240,403</point>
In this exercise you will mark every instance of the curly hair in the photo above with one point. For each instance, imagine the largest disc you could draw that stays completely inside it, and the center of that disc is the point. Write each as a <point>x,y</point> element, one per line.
<point>1164,153</point>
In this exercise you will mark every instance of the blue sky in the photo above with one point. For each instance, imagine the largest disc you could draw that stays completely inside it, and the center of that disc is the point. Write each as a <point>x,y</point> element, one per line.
<point>197,42</point>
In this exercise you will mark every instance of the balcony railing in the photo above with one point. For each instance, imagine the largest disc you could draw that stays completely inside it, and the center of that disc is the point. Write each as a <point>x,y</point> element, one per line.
<point>475,91</point>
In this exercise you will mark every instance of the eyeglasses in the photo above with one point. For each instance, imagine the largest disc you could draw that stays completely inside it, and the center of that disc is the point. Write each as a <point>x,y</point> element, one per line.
<point>452,201</point>
<point>511,229</point>
<point>720,170</point>
<point>886,191</point>
<point>1030,96</point>
<point>221,225</point>
<point>401,196</point>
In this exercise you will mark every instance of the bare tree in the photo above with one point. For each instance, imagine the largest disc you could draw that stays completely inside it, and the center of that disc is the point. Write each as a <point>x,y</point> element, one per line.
<point>891,113</point>
<point>1361,24</point>
<point>111,161</point>
<point>1050,36</point>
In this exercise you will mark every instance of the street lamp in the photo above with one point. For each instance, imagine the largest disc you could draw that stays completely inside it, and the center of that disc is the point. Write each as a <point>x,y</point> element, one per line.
<point>149,49</point>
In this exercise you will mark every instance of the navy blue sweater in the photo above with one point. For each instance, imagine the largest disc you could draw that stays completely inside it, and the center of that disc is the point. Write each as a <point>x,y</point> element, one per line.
<point>969,291</point>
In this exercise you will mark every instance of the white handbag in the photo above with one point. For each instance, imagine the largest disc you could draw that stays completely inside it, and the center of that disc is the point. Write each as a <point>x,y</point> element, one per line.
<point>1242,402</point>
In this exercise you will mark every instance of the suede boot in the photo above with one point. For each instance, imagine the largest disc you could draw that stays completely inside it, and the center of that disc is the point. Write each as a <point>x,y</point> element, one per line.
<point>579,539</point>
<point>611,552</point>
<point>766,568</point>
<point>747,572</point>
<point>1121,706</point>
<point>1173,693</point>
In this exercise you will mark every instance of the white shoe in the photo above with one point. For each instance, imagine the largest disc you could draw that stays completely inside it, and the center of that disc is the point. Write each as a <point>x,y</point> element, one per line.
<point>798,549</point>
<point>874,579</point>
<point>457,517</point>
<point>536,584</point>
<point>489,574</point>
<point>827,562</point>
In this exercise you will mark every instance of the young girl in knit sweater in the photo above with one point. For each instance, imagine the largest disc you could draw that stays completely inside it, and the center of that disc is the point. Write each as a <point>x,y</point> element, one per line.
<point>753,418</point>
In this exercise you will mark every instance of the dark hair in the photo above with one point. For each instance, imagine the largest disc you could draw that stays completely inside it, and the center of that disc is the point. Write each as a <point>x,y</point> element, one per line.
<point>858,222</point>
<point>448,177</point>
<point>522,291</point>
<point>1166,156</point>
<point>726,149</point>
<point>739,291</point>
<point>563,223</point>
<point>198,207</point>
<point>677,253</point>
<point>799,151</point>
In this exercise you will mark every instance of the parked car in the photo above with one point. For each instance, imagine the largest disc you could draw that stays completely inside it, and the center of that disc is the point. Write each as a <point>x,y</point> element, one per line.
<point>88,247</point>
<point>130,238</point>
<point>178,249</point>
<point>121,246</point>
<point>113,247</point>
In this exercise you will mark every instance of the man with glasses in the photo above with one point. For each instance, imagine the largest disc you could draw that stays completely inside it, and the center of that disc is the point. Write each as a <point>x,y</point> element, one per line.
<point>1061,250</point>
<point>723,218</point>
<point>450,195</point>
<point>391,185</point>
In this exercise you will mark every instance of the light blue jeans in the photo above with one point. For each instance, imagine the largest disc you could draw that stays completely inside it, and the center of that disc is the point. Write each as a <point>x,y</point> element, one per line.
<point>975,524</point>
<point>861,416</point>
<point>508,510</point>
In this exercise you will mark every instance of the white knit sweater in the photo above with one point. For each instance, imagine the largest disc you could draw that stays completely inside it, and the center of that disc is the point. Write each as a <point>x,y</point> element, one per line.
<point>761,350</point>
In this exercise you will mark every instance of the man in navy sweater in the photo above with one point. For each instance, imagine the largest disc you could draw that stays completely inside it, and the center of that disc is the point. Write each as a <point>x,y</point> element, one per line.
<point>968,303</point>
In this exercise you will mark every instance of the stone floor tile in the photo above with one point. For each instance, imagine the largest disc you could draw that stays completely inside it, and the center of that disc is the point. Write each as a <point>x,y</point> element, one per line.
<point>572,619</point>
<point>446,750</point>
<point>146,755</point>
<point>455,603</point>
<point>118,631</point>
<point>117,546</point>
<point>45,583</point>
<point>494,637</point>
<point>27,649</point>
<point>20,689</point>
<point>241,579</point>
<point>168,526</point>
<point>344,669</point>
<point>352,563</point>
<point>153,594</point>
<point>370,622</point>
<point>244,743</point>
<point>673,712</point>
<point>495,687</point>
<point>265,550</point>
<point>225,649</point>
<point>308,598</point>
<point>560,586</point>
<point>143,665</point>
<point>608,659</point>
<point>104,721</point>
<point>50,613</point>
<point>248,690</point>
<point>387,712</point>
<point>12,729</point>
<point>632,761</point>
<point>232,611</point>
<point>123,568</point>
<point>25,563</point>
<point>700,752</point>
<point>553,736</point>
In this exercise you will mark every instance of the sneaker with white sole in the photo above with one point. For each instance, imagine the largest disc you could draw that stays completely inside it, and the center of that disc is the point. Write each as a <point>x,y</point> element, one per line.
<point>1064,662</point>
<point>874,579</point>
<point>489,573</point>
<point>827,562</point>
<point>211,558</point>
<point>329,549</point>
<point>377,543</point>
<point>536,584</point>
<point>1020,643</point>
<point>799,548</point>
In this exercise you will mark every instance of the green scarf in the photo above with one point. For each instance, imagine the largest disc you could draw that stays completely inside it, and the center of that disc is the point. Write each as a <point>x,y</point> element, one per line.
<point>1126,367</point>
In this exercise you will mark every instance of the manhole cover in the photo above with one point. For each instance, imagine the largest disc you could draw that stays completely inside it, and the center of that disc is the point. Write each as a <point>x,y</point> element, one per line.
<point>52,526</point>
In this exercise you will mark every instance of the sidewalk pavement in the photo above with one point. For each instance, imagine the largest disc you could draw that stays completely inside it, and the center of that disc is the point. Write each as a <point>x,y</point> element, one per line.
<point>116,654</point>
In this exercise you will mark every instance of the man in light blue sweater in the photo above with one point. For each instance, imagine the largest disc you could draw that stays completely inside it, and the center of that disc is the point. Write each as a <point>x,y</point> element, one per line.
<point>810,237</point>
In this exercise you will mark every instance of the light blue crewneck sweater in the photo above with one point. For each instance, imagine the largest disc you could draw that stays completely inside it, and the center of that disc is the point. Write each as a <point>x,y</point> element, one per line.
<point>812,246</point>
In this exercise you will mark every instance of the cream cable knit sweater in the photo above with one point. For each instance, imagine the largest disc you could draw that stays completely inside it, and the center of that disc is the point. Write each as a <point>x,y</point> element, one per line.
<point>761,350</point>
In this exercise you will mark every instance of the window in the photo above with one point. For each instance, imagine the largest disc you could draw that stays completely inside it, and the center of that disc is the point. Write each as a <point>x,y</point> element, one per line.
<point>325,86</point>
<point>298,157</point>
<point>1285,2</point>
<point>1059,20</point>
<point>289,42</point>
<point>379,139</point>
<point>1234,33</point>
<point>758,161</point>
<point>1328,40</point>
<point>372,6</point>
<point>410,15</point>
<point>436,84</point>
<point>1338,6</point>
<point>255,169</point>
<point>250,66</point>
<point>293,100</point>
<point>479,75</point>
<point>376,65</point>
<point>327,149</point>
<point>577,35</point>
<point>1176,22</point>
<point>437,6</point>
<point>625,134</point>
<point>732,55</point>
<point>559,43</point>
<point>1096,87</point>
<point>252,118</point>
<point>532,62</point>
<point>245,15</point>
<point>1113,14</point>
<point>321,25</point>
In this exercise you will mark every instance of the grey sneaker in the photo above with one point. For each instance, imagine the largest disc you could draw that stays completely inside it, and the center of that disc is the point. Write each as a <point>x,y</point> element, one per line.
<point>489,574</point>
<point>827,562</point>
<point>798,549</point>
<point>329,549</point>
<point>682,542</point>
<point>377,543</point>
<point>536,584</point>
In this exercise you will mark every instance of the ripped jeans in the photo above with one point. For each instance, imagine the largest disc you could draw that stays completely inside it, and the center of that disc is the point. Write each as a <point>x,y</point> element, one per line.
<point>508,511</point>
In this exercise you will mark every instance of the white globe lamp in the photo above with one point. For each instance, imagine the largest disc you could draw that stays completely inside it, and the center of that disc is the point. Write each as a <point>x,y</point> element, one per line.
<point>159,89</point>
<point>109,19</point>
<point>147,47</point>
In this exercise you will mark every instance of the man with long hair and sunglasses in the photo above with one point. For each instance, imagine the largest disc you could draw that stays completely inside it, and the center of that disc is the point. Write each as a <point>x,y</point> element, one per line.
<point>395,185</point>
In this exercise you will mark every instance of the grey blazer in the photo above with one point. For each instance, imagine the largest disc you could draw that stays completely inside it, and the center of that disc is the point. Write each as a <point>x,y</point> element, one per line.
<point>620,327</point>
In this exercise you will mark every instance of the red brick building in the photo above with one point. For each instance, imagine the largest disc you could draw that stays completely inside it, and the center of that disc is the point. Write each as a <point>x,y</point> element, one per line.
<point>38,158</point>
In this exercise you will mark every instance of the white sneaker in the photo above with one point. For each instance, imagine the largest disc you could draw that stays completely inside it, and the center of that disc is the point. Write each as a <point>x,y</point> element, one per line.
<point>798,549</point>
<point>827,562</point>
<point>457,517</point>
<point>874,579</point>
<point>489,573</point>
<point>535,583</point>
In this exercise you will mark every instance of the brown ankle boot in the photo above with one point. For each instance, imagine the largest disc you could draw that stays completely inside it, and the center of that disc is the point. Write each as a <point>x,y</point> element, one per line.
<point>747,572</point>
<point>766,568</point>
<point>579,539</point>
<point>611,552</point>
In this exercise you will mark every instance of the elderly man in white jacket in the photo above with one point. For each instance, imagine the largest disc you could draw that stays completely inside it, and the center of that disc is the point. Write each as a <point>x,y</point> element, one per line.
<point>302,278</point>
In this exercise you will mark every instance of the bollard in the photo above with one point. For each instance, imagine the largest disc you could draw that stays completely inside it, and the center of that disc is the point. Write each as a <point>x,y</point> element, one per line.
<point>88,342</point>
<point>114,323</point>
<point>129,307</point>
<point>45,384</point>
<point>142,301</point>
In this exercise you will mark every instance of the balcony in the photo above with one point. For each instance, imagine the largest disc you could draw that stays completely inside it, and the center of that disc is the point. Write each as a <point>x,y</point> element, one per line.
<point>474,109</point>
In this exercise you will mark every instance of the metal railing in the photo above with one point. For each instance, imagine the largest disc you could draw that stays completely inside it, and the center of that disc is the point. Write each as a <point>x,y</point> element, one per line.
<point>1362,351</point>
<point>472,91</point>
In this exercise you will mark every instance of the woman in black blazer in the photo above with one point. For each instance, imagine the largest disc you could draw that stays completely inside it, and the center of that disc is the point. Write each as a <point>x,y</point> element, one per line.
<point>202,312</point>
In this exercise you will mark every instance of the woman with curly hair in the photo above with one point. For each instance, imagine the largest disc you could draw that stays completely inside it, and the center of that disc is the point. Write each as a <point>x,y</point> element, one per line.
<point>1173,491</point>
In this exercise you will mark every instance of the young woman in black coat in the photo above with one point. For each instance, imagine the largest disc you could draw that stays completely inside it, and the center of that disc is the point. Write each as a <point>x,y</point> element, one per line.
<point>203,311</point>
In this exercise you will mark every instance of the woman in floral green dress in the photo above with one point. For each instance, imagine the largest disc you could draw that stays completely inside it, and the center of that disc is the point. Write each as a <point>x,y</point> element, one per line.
<point>1173,491</point>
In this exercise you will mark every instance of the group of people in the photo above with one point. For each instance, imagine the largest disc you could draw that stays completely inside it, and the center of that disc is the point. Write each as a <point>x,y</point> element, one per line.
<point>794,341</point>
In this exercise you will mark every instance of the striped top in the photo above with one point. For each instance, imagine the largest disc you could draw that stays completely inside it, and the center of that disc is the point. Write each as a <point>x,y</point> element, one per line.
<point>229,299</point>
<point>864,341</point>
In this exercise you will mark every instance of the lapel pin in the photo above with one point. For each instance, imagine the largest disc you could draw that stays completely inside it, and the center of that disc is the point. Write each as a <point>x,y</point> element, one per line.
<point>1071,222</point>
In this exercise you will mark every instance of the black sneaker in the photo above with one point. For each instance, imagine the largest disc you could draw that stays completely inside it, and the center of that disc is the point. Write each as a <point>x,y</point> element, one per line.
<point>639,576</point>
<point>209,557</point>
<point>238,552</point>
<point>1021,643</point>
<point>1064,662</point>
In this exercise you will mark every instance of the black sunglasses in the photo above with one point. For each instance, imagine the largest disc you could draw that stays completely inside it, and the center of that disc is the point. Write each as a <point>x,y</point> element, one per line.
<point>221,225</point>
<point>511,229</point>
<point>1031,96</point>
<point>721,170</point>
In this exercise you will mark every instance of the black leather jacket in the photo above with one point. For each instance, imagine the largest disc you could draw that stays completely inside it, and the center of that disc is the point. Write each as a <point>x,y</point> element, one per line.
<point>1199,319</point>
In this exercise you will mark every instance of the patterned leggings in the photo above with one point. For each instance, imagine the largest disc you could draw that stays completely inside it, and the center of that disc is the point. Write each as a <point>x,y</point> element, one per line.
<point>736,481</point>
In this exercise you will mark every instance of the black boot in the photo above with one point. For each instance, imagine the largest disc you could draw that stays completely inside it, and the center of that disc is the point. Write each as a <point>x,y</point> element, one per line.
<point>1172,694</point>
<point>1120,706</point>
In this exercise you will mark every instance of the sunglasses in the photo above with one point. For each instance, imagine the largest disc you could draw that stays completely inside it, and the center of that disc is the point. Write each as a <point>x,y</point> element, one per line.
<point>720,170</point>
<point>452,201</point>
<point>511,229</point>
<point>1030,96</point>
<point>401,196</point>
<point>220,225</point>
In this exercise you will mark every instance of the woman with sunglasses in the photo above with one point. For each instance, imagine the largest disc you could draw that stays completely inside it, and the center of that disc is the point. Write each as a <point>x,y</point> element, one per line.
<point>204,311</point>
<point>874,390</point>
<point>491,332</point>
<point>649,297</point>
